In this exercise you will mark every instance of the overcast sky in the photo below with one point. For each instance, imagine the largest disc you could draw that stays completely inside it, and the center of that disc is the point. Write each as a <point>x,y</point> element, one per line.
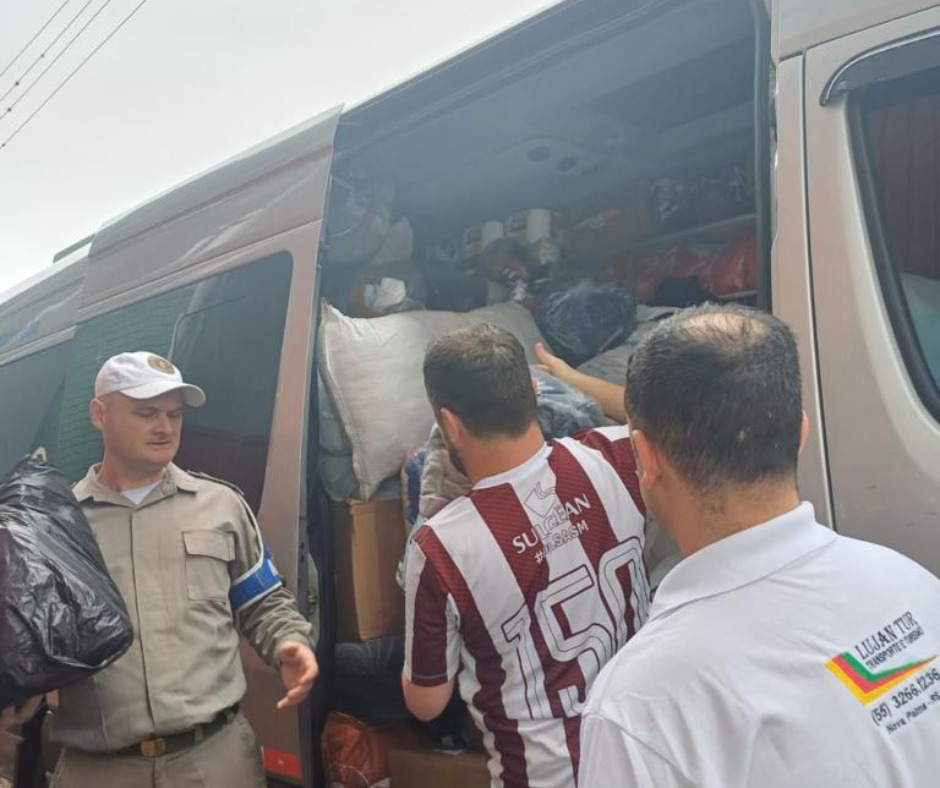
<point>183,85</point>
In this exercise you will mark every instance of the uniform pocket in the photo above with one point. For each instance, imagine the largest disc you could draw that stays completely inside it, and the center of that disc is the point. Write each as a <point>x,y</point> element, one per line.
<point>247,735</point>
<point>208,554</point>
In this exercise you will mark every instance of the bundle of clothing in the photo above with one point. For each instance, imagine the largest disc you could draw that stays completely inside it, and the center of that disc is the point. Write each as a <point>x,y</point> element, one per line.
<point>430,480</point>
<point>62,619</point>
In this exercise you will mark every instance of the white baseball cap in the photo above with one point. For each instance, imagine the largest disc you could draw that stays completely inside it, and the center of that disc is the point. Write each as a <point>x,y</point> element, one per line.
<point>144,375</point>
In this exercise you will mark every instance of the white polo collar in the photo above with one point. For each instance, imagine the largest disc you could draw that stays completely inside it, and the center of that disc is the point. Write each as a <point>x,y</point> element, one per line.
<point>741,559</point>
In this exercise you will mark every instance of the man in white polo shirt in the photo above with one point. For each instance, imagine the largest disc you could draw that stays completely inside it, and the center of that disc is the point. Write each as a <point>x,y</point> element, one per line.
<point>777,653</point>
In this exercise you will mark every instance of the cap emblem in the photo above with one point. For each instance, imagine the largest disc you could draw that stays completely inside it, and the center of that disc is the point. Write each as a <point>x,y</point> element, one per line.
<point>161,365</point>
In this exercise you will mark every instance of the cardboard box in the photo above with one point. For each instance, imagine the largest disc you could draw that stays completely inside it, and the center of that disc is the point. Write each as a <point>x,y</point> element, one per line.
<point>420,768</point>
<point>369,540</point>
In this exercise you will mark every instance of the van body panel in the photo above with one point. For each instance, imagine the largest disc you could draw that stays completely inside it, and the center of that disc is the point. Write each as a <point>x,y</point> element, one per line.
<point>273,188</point>
<point>39,309</point>
<point>283,513</point>
<point>802,24</point>
<point>883,444</point>
<point>792,285</point>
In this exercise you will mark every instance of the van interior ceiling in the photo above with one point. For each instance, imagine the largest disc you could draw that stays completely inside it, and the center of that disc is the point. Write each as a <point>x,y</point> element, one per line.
<point>670,95</point>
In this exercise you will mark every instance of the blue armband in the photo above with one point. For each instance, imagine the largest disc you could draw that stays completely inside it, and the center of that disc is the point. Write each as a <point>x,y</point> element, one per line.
<point>258,583</point>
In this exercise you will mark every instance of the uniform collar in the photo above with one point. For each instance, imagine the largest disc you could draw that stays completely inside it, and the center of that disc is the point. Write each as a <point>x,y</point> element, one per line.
<point>180,478</point>
<point>741,559</point>
<point>174,479</point>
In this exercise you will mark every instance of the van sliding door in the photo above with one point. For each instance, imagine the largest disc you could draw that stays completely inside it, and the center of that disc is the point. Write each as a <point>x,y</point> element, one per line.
<point>220,274</point>
<point>873,182</point>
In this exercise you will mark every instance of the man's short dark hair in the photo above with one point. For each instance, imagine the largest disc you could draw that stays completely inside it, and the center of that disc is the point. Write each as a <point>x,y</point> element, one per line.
<point>481,375</point>
<point>718,389</point>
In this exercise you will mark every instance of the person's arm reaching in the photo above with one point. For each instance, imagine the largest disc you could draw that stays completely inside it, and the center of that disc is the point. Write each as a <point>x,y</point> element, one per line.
<point>432,647</point>
<point>609,395</point>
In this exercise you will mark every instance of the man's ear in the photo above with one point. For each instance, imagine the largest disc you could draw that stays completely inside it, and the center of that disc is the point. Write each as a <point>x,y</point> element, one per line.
<point>804,431</point>
<point>452,427</point>
<point>96,413</point>
<point>649,460</point>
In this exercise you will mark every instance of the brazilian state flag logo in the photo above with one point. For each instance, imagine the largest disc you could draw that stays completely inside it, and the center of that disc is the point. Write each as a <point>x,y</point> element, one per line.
<point>865,685</point>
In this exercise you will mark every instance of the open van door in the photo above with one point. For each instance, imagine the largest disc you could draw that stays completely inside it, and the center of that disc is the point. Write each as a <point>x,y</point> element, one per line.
<point>220,274</point>
<point>872,163</point>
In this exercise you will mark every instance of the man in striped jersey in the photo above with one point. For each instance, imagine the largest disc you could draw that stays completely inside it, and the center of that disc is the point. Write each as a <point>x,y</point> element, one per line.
<point>524,589</point>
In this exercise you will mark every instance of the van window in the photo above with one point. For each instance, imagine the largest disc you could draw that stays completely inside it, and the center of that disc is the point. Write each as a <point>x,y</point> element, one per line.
<point>225,335</point>
<point>30,395</point>
<point>899,158</point>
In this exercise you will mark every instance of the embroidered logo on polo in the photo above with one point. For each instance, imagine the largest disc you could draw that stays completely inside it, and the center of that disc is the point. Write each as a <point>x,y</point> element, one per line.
<point>898,695</point>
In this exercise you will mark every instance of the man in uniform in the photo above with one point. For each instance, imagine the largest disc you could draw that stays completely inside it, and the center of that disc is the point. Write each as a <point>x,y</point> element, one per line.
<point>189,560</point>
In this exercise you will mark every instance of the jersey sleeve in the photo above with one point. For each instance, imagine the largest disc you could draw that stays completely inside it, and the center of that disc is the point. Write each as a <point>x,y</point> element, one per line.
<point>607,749</point>
<point>613,444</point>
<point>432,645</point>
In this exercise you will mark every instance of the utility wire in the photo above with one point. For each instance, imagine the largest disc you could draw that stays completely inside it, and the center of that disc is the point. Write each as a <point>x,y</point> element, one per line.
<point>55,60</point>
<point>45,52</point>
<point>78,68</point>
<point>31,41</point>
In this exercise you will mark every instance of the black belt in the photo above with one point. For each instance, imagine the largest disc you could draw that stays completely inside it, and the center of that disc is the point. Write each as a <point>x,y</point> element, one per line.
<point>177,742</point>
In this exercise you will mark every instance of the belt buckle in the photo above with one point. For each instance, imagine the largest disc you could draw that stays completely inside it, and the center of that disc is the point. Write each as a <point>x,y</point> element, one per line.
<point>153,748</point>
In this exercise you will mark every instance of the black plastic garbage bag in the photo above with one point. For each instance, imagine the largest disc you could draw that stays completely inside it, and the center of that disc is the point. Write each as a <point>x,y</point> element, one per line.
<point>587,319</point>
<point>61,616</point>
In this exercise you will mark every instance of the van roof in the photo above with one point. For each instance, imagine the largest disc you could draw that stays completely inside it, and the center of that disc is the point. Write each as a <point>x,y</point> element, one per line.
<point>36,310</point>
<point>799,25</point>
<point>47,280</point>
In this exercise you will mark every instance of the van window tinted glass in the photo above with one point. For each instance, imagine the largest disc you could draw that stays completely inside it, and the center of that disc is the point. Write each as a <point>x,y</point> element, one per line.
<point>225,335</point>
<point>900,121</point>
<point>30,396</point>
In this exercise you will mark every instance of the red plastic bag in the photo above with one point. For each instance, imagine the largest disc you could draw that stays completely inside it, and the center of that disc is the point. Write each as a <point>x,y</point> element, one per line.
<point>645,274</point>
<point>355,755</point>
<point>736,270</point>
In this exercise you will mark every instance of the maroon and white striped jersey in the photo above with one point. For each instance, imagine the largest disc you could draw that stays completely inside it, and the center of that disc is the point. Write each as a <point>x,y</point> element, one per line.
<point>523,590</point>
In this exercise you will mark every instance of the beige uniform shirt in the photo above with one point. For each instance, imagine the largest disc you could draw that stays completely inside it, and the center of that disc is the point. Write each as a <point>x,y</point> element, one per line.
<point>174,558</point>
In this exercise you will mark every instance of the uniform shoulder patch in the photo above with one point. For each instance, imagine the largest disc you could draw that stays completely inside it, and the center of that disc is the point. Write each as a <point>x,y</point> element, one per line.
<point>206,477</point>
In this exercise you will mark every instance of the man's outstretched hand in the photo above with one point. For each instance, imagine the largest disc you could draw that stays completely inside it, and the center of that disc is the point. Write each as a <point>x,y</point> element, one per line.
<point>299,670</point>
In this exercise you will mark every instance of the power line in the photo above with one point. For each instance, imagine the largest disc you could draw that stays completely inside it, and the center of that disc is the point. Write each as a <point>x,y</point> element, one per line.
<point>55,60</point>
<point>45,52</point>
<point>33,39</point>
<point>78,68</point>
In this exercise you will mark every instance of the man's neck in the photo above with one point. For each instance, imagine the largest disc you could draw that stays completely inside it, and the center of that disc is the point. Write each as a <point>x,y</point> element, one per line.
<point>119,478</point>
<point>496,456</point>
<point>703,523</point>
